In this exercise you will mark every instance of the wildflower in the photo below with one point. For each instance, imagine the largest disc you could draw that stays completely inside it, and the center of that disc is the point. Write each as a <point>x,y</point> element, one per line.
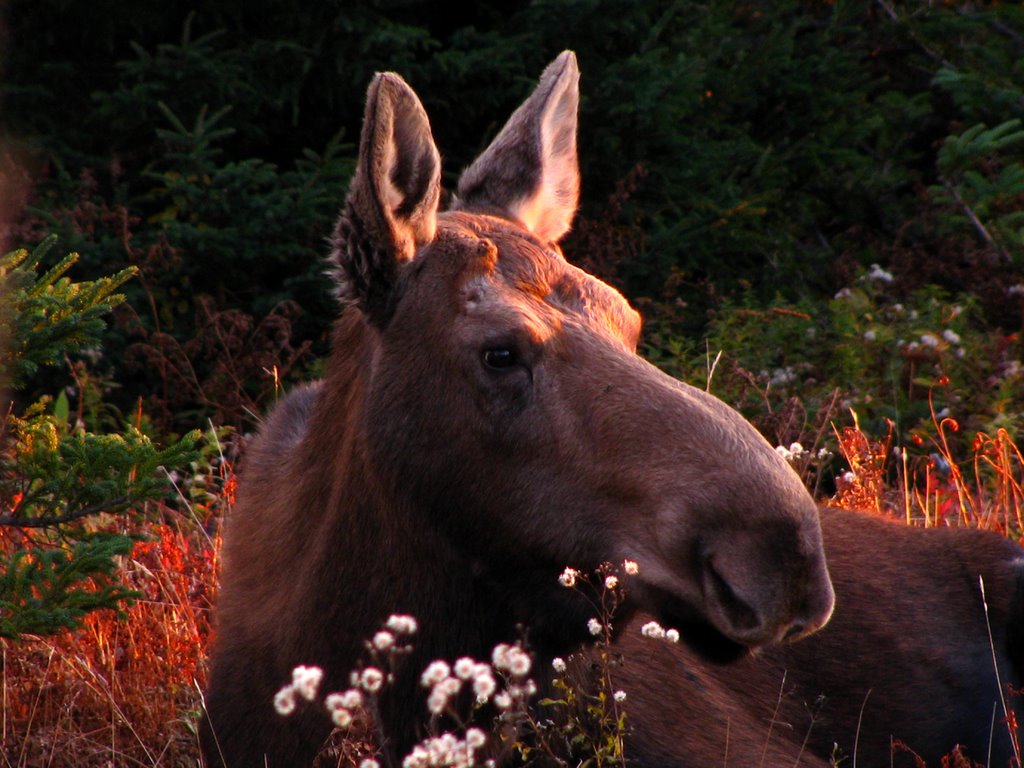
<point>464,668</point>
<point>558,664</point>
<point>437,701</point>
<point>383,640</point>
<point>630,567</point>
<point>499,656</point>
<point>284,700</point>
<point>879,274</point>
<point>783,376</point>
<point>475,738</point>
<point>519,662</point>
<point>306,681</point>
<point>1016,290</point>
<point>401,624</point>
<point>844,293</point>
<point>611,582</point>
<point>619,695</point>
<point>849,477</point>
<point>653,629</point>
<point>484,686</point>
<point>503,700</point>
<point>352,699</point>
<point>435,672</point>
<point>371,680</point>
<point>929,340</point>
<point>951,336</point>
<point>672,635</point>
<point>594,627</point>
<point>796,449</point>
<point>416,758</point>
<point>450,685</point>
<point>341,717</point>
<point>568,577</point>
<point>784,452</point>
<point>369,763</point>
<point>870,335</point>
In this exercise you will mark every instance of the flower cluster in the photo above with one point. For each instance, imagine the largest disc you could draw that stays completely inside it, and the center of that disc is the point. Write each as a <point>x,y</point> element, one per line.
<point>447,750</point>
<point>305,683</point>
<point>654,630</point>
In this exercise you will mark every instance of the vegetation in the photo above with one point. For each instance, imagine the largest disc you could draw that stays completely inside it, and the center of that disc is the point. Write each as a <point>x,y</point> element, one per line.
<point>817,204</point>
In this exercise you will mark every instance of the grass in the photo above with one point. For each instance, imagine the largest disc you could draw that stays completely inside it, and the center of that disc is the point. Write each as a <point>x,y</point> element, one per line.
<point>124,690</point>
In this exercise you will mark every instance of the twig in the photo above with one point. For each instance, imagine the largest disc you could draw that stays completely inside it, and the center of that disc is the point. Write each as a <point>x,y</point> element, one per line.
<point>48,522</point>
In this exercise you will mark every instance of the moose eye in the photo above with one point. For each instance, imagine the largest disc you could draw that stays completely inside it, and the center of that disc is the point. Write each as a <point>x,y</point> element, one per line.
<point>500,358</point>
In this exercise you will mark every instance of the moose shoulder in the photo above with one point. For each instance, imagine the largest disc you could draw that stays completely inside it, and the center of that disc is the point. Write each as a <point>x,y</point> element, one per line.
<point>484,422</point>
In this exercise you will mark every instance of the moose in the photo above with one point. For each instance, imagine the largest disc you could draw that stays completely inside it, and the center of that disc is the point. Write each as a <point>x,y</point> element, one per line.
<point>485,421</point>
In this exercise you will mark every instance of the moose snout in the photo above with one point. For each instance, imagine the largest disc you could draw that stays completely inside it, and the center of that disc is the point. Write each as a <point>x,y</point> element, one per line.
<point>755,593</point>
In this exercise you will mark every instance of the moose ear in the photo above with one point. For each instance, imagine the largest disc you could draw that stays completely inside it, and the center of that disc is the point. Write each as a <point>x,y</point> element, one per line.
<point>391,208</point>
<point>530,170</point>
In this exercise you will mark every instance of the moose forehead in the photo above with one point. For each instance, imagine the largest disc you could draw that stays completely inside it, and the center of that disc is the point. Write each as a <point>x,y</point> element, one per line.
<point>498,266</point>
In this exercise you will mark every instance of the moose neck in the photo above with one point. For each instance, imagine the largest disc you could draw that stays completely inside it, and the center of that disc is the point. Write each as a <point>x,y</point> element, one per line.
<point>368,535</point>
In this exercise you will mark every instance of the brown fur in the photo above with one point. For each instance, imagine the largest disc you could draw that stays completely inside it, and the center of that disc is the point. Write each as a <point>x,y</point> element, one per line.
<point>420,478</point>
<point>906,656</point>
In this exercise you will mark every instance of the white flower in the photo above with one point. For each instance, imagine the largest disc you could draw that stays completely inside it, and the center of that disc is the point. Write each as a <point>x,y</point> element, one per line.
<point>558,664</point>
<point>464,668</point>
<point>879,274</point>
<point>796,449</point>
<point>619,695</point>
<point>594,627</point>
<point>383,640</point>
<point>630,567</point>
<point>519,662</point>
<point>437,701</point>
<point>401,624</point>
<point>341,717</point>
<point>369,763</point>
<point>450,685</point>
<point>844,293</point>
<point>1016,290</point>
<point>418,757</point>
<point>653,629</point>
<point>371,680</point>
<point>951,336</point>
<point>435,672</point>
<point>306,681</point>
<point>475,738</point>
<point>568,577</point>
<point>503,700</point>
<point>870,335</point>
<point>849,477</point>
<point>484,686</point>
<point>352,699</point>
<point>672,635</point>
<point>929,340</point>
<point>784,452</point>
<point>611,582</point>
<point>284,700</point>
<point>499,656</point>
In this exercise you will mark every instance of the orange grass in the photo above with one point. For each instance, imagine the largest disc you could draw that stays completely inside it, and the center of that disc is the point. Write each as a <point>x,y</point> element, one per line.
<point>122,690</point>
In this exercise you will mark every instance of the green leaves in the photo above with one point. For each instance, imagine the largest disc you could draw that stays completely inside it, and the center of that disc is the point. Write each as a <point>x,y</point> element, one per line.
<point>45,590</point>
<point>42,318</point>
<point>56,564</point>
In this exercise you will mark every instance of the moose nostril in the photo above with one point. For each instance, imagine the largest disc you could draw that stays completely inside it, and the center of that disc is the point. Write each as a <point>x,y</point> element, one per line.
<point>795,630</point>
<point>740,613</point>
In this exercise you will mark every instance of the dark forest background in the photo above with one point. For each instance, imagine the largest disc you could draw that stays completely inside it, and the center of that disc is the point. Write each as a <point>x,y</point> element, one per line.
<point>734,154</point>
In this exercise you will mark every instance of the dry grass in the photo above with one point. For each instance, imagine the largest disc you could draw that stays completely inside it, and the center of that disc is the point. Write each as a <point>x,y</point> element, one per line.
<point>124,690</point>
